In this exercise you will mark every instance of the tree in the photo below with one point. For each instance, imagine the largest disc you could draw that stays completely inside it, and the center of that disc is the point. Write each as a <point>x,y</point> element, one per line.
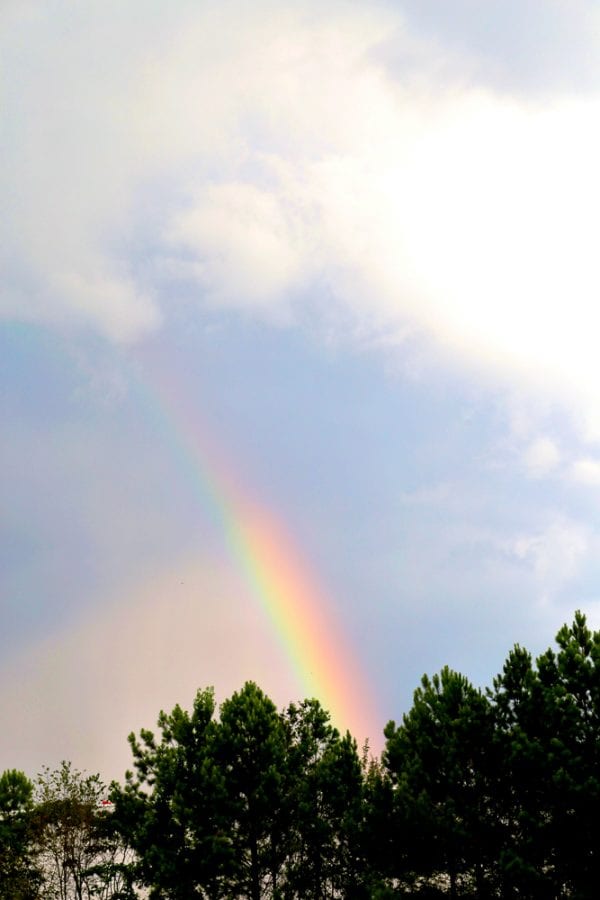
<point>78,852</point>
<point>19,876</point>
<point>325,779</point>
<point>250,749</point>
<point>255,804</point>
<point>172,808</point>
<point>205,810</point>
<point>522,789</point>
<point>385,840</point>
<point>570,683</point>
<point>308,735</point>
<point>548,726</point>
<point>439,761</point>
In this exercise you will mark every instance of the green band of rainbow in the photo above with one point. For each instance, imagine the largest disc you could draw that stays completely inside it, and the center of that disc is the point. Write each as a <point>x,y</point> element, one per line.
<point>297,608</point>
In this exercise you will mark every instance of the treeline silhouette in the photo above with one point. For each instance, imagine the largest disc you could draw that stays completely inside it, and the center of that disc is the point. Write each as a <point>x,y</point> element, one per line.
<point>487,794</point>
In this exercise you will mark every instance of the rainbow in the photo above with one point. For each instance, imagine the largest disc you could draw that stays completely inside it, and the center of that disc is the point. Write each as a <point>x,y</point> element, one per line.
<point>296,606</point>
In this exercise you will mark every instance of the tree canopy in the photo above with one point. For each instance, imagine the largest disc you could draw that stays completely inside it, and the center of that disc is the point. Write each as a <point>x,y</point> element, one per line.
<point>487,793</point>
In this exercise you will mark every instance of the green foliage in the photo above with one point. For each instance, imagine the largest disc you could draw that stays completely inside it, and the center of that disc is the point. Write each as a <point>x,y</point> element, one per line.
<point>19,876</point>
<point>171,810</point>
<point>484,794</point>
<point>548,719</point>
<point>78,851</point>
<point>326,793</point>
<point>477,794</point>
<point>251,752</point>
<point>439,760</point>
<point>253,804</point>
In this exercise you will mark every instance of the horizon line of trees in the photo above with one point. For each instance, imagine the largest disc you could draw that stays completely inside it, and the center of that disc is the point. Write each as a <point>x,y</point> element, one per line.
<point>488,793</point>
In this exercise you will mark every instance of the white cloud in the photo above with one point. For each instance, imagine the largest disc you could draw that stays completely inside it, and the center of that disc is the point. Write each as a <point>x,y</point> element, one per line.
<point>586,471</point>
<point>268,155</point>
<point>243,238</point>
<point>541,457</point>
<point>555,554</point>
<point>536,46</point>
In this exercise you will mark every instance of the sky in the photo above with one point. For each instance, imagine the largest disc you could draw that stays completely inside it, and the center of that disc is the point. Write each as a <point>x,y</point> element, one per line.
<point>298,354</point>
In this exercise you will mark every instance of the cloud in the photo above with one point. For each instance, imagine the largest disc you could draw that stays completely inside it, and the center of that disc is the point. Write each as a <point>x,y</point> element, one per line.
<point>555,554</point>
<point>541,457</point>
<point>240,235</point>
<point>586,471</point>
<point>539,46</point>
<point>272,162</point>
